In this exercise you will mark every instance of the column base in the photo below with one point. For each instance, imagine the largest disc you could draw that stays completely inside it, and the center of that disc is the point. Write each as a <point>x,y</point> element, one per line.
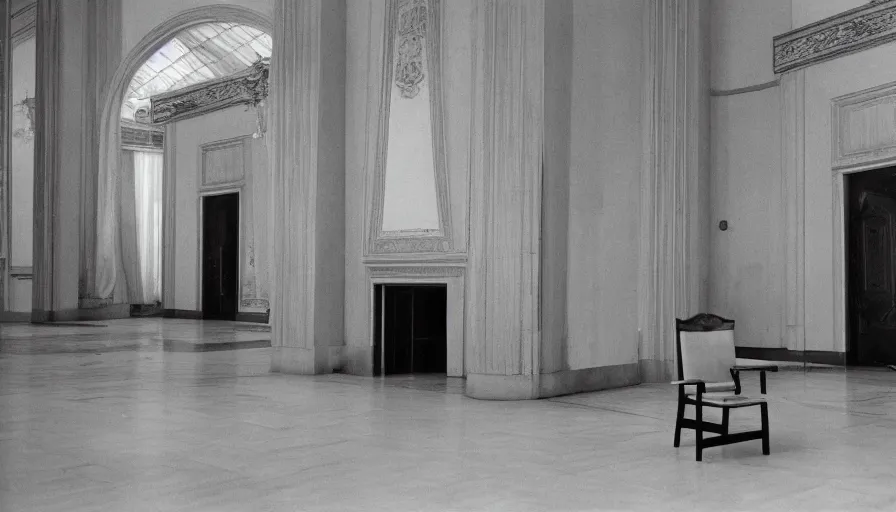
<point>501,387</point>
<point>300,361</point>
<point>567,382</point>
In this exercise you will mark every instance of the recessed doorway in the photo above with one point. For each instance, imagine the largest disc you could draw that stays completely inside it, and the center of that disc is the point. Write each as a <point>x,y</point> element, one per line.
<point>871,267</point>
<point>220,256</point>
<point>410,335</point>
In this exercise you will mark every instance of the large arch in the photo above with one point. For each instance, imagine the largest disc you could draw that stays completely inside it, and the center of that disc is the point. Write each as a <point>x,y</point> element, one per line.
<point>107,261</point>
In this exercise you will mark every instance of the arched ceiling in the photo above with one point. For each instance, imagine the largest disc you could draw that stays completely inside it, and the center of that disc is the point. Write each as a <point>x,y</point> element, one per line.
<point>195,55</point>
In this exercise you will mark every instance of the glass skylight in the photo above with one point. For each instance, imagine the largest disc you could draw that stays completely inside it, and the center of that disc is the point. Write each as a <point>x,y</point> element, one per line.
<point>198,54</point>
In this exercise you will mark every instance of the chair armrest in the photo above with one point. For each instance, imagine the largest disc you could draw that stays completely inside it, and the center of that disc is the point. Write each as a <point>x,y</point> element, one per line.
<point>756,368</point>
<point>688,382</point>
<point>761,368</point>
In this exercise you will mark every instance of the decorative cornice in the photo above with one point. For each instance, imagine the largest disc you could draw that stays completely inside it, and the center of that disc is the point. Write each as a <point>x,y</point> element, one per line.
<point>136,136</point>
<point>415,271</point>
<point>249,87</point>
<point>849,32</point>
<point>743,90</point>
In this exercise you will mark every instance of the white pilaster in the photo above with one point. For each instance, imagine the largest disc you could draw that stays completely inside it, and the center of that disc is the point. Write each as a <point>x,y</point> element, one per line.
<point>673,197</point>
<point>793,122</point>
<point>308,183</point>
<point>169,224</point>
<point>503,329</point>
<point>5,169</point>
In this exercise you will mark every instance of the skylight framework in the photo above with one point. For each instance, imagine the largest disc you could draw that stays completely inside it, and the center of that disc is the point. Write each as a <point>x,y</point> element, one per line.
<point>195,55</point>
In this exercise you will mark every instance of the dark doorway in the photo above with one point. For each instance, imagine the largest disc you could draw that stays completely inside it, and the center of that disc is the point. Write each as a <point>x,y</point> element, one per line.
<point>871,286</point>
<point>220,256</point>
<point>410,329</point>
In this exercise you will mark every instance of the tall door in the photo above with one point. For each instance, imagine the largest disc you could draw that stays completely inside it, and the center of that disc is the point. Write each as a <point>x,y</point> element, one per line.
<point>872,260</point>
<point>220,256</point>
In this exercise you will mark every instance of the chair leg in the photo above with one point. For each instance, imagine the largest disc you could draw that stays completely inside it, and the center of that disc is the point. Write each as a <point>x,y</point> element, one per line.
<point>725,420</point>
<point>765,443</point>
<point>699,428</point>
<point>678,418</point>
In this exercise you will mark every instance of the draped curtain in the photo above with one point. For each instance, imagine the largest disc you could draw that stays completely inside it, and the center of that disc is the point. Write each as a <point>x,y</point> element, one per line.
<point>148,207</point>
<point>139,235</point>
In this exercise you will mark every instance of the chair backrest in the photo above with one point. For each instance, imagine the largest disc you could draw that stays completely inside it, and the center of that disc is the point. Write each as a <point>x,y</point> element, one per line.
<point>705,344</point>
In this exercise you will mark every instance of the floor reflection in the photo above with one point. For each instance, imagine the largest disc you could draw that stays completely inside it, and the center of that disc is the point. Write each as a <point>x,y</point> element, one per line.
<point>102,418</point>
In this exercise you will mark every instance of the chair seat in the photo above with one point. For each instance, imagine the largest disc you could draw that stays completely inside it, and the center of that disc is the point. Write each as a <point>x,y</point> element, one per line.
<point>730,401</point>
<point>711,387</point>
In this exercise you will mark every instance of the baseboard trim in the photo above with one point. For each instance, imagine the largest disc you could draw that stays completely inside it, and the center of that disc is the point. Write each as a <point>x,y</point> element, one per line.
<point>186,346</point>
<point>185,314</point>
<point>567,382</point>
<point>501,387</point>
<point>112,312</point>
<point>797,356</point>
<point>258,318</point>
<point>15,316</point>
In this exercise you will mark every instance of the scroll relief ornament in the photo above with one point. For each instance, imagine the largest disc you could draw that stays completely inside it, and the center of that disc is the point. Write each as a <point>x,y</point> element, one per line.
<point>411,39</point>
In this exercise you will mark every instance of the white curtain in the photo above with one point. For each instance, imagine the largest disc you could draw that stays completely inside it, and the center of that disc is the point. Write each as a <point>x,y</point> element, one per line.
<point>148,209</point>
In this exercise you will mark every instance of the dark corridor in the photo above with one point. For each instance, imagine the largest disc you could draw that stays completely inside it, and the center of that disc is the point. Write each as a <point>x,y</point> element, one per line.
<point>220,256</point>
<point>410,334</point>
<point>871,260</point>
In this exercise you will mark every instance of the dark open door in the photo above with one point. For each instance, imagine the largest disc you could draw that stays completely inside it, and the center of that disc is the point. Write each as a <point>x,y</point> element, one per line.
<point>411,329</point>
<point>872,273</point>
<point>220,260</point>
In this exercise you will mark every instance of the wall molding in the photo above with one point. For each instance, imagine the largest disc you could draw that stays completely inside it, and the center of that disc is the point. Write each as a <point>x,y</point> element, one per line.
<point>745,90</point>
<point>849,32</point>
<point>863,127</point>
<point>423,241</point>
<point>792,355</point>
<point>208,183</point>
<point>248,87</point>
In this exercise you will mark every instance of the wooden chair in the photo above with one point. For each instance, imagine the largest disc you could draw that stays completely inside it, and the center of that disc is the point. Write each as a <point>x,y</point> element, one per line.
<point>709,377</point>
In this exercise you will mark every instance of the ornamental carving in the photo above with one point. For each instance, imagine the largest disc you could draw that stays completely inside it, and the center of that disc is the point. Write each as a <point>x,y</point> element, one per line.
<point>864,27</point>
<point>407,22</point>
<point>416,271</point>
<point>249,87</point>
<point>409,62</point>
<point>255,304</point>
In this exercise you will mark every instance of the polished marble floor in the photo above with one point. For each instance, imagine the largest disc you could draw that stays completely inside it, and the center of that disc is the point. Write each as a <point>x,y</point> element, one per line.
<point>102,418</point>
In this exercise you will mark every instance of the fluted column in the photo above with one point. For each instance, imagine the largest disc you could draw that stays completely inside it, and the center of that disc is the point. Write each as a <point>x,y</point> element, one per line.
<point>503,335</point>
<point>674,180</point>
<point>308,183</point>
<point>61,119</point>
